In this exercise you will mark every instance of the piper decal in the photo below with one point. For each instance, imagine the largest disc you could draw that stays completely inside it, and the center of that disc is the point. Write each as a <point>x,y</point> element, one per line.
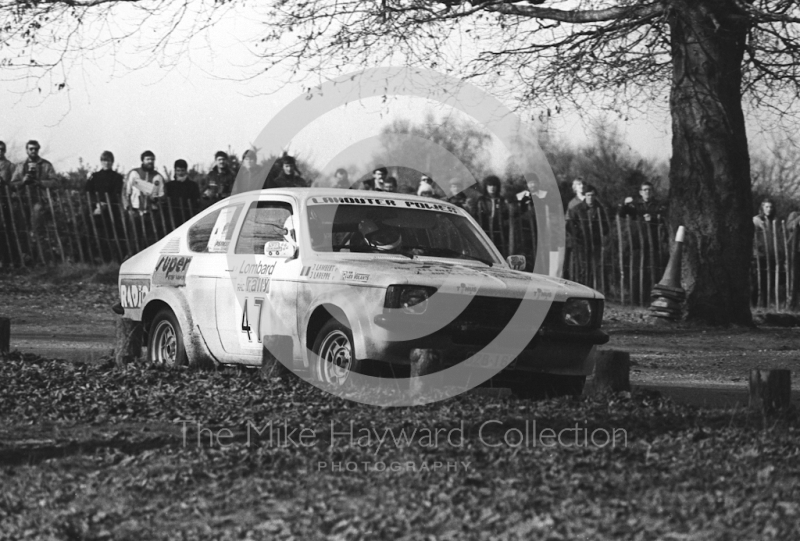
<point>171,270</point>
<point>133,292</point>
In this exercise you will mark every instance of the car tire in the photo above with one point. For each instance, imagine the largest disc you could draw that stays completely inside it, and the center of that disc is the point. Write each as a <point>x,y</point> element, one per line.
<point>539,386</point>
<point>333,354</point>
<point>165,340</point>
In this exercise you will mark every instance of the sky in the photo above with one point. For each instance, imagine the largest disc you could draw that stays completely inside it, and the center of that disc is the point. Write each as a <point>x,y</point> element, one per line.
<point>192,107</point>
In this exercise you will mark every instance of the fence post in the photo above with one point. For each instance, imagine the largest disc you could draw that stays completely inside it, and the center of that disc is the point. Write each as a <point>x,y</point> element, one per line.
<point>94,228</point>
<point>74,216</point>
<point>13,229</point>
<point>33,235</point>
<point>787,289</point>
<point>621,261</point>
<point>58,237</point>
<point>164,202</point>
<point>768,264</point>
<point>777,265</point>
<point>111,218</point>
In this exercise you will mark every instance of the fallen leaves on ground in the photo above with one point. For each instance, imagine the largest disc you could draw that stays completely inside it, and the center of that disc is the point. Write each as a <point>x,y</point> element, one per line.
<point>157,453</point>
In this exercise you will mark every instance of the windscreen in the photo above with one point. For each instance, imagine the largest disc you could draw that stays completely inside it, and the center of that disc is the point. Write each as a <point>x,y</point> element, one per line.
<point>373,228</point>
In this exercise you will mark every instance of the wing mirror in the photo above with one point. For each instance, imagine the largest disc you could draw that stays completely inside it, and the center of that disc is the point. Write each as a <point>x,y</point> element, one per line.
<point>280,249</point>
<point>516,262</point>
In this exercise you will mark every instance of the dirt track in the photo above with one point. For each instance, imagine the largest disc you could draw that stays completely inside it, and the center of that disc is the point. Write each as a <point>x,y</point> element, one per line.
<point>74,321</point>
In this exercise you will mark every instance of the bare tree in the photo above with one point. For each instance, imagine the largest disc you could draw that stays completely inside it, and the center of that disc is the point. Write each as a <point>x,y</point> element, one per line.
<point>711,55</point>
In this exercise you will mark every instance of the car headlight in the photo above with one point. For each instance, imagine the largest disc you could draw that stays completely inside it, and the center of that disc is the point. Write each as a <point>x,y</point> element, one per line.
<point>410,299</point>
<point>578,312</point>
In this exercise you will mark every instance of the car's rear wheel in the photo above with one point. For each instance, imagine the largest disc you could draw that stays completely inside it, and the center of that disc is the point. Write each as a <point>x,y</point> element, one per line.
<point>334,355</point>
<point>165,340</point>
<point>534,385</point>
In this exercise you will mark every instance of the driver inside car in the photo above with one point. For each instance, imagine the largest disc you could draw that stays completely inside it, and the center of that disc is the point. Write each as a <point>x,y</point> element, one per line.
<point>371,237</point>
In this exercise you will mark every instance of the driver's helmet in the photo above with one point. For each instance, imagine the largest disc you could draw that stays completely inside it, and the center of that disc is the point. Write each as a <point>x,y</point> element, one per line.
<point>383,239</point>
<point>288,227</point>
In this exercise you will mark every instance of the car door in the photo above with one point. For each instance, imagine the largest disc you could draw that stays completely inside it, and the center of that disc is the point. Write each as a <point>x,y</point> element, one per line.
<point>209,241</point>
<point>259,295</point>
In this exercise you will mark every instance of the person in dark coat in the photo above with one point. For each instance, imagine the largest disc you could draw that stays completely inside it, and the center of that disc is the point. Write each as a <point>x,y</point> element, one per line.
<point>102,183</point>
<point>219,181</point>
<point>183,192</point>
<point>289,176</point>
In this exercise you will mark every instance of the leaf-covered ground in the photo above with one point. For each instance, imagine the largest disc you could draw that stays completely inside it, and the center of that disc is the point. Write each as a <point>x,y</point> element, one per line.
<point>92,453</point>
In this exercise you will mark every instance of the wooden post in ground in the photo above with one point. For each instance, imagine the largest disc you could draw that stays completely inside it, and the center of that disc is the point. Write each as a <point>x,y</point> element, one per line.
<point>423,362</point>
<point>128,346</point>
<point>770,390</point>
<point>611,373</point>
<point>5,337</point>
<point>621,262</point>
<point>112,218</point>
<point>275,351</point>
<point>77,226</point>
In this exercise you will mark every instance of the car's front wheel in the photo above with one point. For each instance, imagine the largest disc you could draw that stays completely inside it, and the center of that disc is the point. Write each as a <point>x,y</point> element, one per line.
<point>165,340</point>
<point>334,354</point>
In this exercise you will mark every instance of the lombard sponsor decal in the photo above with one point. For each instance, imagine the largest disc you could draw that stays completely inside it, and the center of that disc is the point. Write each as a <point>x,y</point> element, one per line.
<point>353,276</point>
<point>171,270</point>
<point>318,271</point>
<point>257,268</point>
<point>132,292</point>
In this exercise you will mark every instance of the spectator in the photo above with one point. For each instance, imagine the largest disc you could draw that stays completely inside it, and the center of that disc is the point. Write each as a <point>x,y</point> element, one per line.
<point>390,185</point>
<point>578,189</point>
<point>587,227</point>
<point>763,282</point>
<point>379,174</point>
<point>251,176</point>
<point>183,192</point>
<point>219,181</point>
<point>6,172</point>
<point>104,182</point>
<point>427,180</point>
<point>340,180</point>
<point>144,185</point>
<point>6,169</point>
<point>457,195</point>
<point>34,175</point>
<point>646,207</point>
<point>491,212</point>
<point>766,215</point>
<point>289,177</point>
<point>525,198</point>
<point>425,190</point>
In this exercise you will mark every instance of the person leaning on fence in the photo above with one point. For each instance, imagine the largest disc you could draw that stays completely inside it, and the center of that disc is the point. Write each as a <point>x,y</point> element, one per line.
<point>102,183</point>
<point>219,181</point>
<point>491,212</point>
<point>30,178</point>
<point>6,172</point>
<point>457,195</point>
<point>588,229</point>
<point>764,253</point>
<point>288,177</point>
<point>645,207</point>
<point>183,192</point>
<point>578,190</point>
<point>6,168</point>
<point>251,176</point>
<point>144,187</point>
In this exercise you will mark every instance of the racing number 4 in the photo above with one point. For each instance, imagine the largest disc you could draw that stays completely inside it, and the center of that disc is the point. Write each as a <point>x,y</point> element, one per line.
<point>259,303</point>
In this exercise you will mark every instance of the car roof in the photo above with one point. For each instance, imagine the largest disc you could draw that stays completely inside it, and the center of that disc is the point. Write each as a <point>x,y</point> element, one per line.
<point>304,193</point>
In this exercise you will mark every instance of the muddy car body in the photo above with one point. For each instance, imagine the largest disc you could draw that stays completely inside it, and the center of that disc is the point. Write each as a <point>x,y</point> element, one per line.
<point>335,278</point>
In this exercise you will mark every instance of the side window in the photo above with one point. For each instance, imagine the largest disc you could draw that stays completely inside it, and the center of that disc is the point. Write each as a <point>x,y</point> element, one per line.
<point>213,233</point>
<point>264,222</point>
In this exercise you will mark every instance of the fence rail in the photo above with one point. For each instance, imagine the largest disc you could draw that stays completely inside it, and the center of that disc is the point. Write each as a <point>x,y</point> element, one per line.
<point>620,257</point>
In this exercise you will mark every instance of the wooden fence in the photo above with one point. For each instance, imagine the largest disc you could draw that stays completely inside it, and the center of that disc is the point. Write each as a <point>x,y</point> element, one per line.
<point>620,257</point>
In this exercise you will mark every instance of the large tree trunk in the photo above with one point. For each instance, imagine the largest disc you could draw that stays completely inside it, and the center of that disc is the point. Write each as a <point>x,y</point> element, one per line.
<point>710,169</point>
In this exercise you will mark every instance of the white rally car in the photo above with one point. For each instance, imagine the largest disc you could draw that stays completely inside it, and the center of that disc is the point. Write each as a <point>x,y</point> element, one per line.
<point>347,281</point>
